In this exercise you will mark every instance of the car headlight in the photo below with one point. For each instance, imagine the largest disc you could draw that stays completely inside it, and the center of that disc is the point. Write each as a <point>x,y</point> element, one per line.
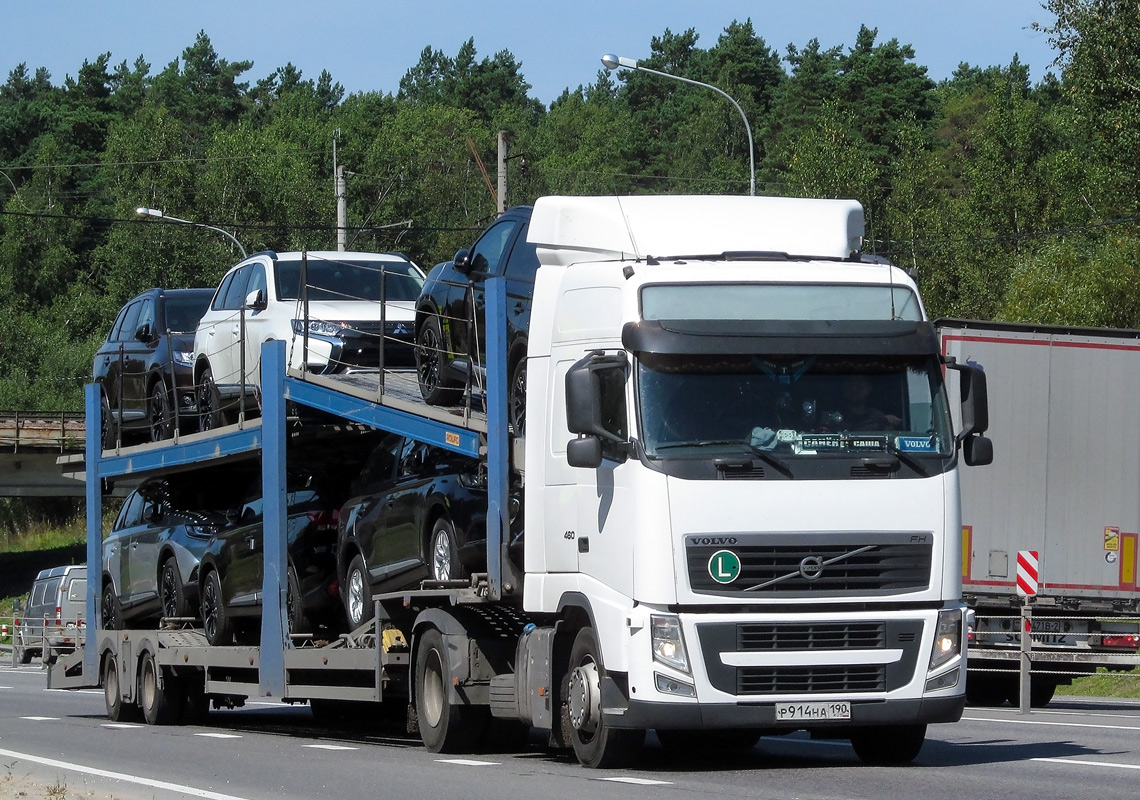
<point>668,641</point>
<point>947,637</point>
<point>183,358</point>
<point>317,327</point>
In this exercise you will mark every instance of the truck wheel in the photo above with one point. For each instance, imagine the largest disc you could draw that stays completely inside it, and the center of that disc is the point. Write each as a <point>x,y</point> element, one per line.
<point>986,689</point>
<point>431,363</point>
<point>444,728</point>
<point>1040,693</point>
<point>357,593</point>
<point>888,745</point>
<point>445,565</point>
<point>118,710</point>
<point>596,744</point>
<point>171,591</point>
<point>112,609</point>
<point>216,625</point>
<point>160,696</point>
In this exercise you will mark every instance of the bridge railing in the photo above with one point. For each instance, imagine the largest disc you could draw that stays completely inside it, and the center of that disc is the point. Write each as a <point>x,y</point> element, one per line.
<point>58,430</point>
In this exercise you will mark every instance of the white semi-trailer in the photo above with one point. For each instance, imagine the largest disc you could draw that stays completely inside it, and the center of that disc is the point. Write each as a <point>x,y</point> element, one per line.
<point>1066,486</point>
<point>740,499</point>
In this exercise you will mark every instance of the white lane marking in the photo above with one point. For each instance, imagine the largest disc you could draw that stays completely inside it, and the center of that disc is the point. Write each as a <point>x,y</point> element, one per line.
<point>219,735</point>
<point>1087,763</point>
<point>41,719</point>
<point>120,776</point>
<point>122,726</point>
<point>467,762</point>
<point>1054,724</point>
<point>75,691</point>
<point>638,781</point>
<point>329,747</point>
<point>7,687</point>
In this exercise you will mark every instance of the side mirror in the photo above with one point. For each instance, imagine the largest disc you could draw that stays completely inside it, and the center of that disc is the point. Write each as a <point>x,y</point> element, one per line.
<point>975,400</point>
<point>585,452</point>
<point>462,261</point>
<point>17,606</point>
<point>143,332</point>
<point>255,300</point>
<point>978,451</point>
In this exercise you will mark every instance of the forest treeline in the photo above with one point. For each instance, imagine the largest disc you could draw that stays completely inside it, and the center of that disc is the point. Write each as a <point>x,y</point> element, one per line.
<point>1011,199</point>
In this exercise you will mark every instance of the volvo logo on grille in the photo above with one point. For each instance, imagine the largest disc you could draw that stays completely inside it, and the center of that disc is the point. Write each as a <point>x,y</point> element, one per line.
<point>811,568</point>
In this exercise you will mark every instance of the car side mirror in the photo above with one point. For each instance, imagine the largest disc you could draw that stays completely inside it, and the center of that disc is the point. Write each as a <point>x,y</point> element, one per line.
<point>143,332</point>
<point>462,261</point>
<point>17,606</point>
<point>255,300</point>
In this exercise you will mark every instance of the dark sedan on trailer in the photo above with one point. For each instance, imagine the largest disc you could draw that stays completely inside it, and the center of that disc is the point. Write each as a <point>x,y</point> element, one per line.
<point>418,513</point>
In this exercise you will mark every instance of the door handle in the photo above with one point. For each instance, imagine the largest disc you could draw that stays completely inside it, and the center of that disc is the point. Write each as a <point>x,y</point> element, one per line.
<point>251,542</point>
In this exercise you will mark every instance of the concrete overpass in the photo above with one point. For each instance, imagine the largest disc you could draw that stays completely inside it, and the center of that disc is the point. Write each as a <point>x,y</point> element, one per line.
<point>31,445</point>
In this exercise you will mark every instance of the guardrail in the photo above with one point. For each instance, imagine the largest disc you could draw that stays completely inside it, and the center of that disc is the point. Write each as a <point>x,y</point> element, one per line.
<point>56,430</point>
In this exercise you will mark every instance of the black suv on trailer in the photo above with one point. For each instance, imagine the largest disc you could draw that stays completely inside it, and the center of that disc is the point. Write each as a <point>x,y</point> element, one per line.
<point>144,368</point>
<point>451,313</point>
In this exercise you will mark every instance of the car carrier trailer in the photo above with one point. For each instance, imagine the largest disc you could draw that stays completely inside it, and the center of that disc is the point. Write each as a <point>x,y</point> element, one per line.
<point>710,572</point>
<point>1066,486</point>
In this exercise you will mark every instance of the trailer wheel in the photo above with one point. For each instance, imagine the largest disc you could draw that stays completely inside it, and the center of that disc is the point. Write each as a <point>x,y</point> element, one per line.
<point>217,626</point>
<point>159,695</point>
<point>888,745</point>
<point>596,744</point>
<point>118,710</point>
<point>444,727</point>
<point>172,593</point>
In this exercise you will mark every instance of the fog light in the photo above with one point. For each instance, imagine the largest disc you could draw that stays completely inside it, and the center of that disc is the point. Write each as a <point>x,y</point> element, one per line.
<point>667,685</point>
<point>943,681</point>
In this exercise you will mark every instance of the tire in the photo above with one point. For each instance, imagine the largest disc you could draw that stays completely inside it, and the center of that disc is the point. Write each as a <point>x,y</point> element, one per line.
<point>160,696</point>
<point>596,744</point>
<point>106,425</point>
<point>431,366</point>
<point>987,689</point>
<point>171,591</point>
<point>160,413</point>
<point>195,703</point>
<point>210,414</point>
<point>443,552</point>
<point>444,728</point>
<point>1040,693</point>
<point>516,408</point>
<point>24,654</point>
<point>888,745</point>
<point>357,593</point>
<point>295,609</point>
<point>112,614</point>
<point>216,624</point>
<point>118,710</point>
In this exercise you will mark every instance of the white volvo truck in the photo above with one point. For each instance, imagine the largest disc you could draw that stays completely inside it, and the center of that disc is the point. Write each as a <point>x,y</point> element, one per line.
<point>741,503</point>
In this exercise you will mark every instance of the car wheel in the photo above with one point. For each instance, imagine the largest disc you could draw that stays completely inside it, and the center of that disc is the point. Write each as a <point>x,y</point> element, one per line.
<point>294,607</point>
<point>444,727</point>
<point>516,411</point>
<point>216,625</point>
<point>112,615</point>
<point>171,591</point>
<point>431,363</point>
<point>357,593</point>
<point>161,417</point>
<point>118,710</point>
<point>595,743</point>
<point>210,414</point>
<point>106,424</point>
<point>444,552</point>
<point>160,695</point>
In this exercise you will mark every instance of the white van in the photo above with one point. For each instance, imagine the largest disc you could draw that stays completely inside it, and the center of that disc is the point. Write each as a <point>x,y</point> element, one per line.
<point>52,623</point>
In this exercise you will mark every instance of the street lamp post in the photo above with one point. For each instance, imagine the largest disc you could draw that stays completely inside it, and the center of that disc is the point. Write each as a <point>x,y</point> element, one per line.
<point>612,62</point>
<point>142,211</point>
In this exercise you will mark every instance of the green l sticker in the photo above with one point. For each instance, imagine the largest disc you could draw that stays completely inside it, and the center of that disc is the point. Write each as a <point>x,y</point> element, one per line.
<point>724,566</point>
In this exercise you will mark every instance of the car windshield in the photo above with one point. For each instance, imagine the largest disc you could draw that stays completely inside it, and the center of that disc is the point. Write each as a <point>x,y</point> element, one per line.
<point>349,280</point>
<point>700,406</point>
<point>184,311</point>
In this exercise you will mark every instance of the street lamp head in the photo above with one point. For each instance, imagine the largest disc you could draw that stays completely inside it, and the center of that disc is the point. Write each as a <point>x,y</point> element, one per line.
<point>612,62</point>
<point>143,211</point>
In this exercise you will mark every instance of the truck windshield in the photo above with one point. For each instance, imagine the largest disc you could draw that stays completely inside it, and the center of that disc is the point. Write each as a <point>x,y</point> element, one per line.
<point>697,406</point>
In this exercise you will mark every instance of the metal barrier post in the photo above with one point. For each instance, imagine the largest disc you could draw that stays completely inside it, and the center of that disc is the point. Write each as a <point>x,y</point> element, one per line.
<point>1025,676</point>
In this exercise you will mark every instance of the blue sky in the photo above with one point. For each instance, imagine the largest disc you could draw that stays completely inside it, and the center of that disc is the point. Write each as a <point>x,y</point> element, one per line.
<point>367,45</point>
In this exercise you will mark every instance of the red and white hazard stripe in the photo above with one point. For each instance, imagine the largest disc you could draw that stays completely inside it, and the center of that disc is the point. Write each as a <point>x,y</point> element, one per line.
<point>1027,573</point>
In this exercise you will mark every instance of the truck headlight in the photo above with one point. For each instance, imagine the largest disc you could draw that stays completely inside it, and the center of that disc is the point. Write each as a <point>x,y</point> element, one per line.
<point>947,637</point>
<point>668,642</point>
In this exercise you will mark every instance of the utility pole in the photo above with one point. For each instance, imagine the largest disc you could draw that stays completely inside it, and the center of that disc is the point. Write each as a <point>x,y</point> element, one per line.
<point>341,200</point>
<point>502,171</point>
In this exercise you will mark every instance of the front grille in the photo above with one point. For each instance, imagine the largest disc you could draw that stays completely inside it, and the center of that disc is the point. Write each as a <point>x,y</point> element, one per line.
<point>803,645</point>
<point>810,680</point>
<point>809,636</point>
<point>809,564</point>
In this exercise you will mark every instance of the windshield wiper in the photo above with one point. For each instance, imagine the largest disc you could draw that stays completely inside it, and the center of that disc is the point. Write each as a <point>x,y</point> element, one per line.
<point>765,456</point>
